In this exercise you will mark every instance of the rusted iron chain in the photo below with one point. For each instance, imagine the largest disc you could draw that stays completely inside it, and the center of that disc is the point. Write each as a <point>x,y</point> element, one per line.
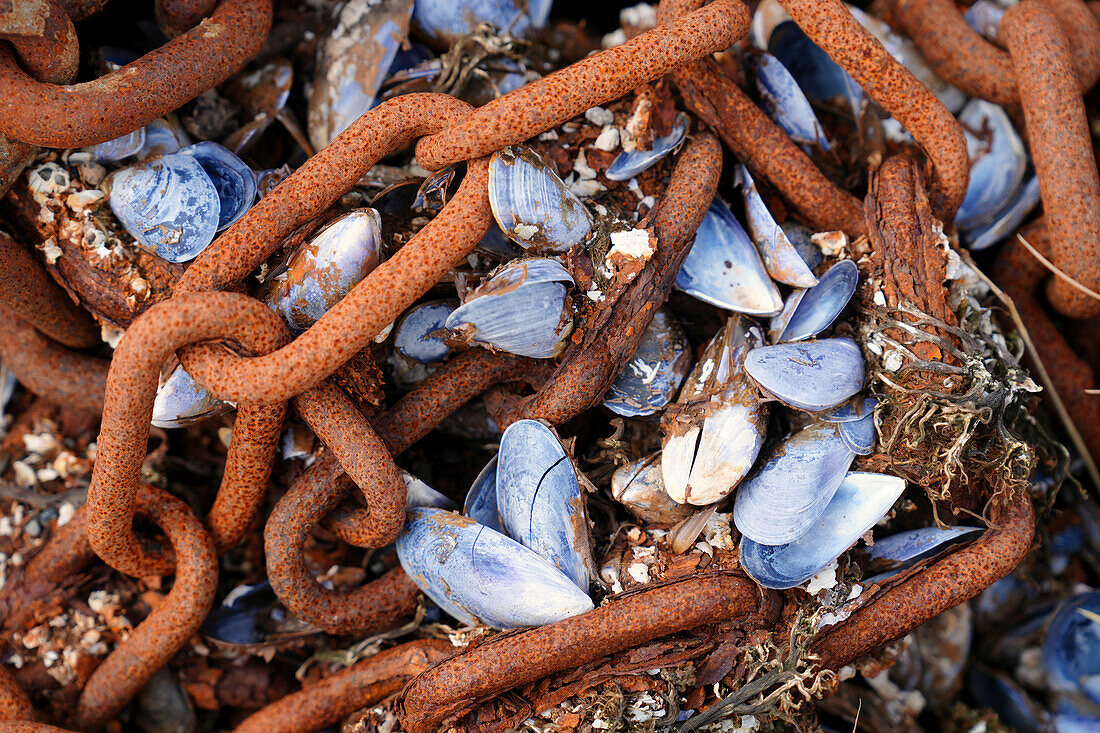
<point>552,100</point>
<point>1020,275</point>
<point>45,367</point>
<point>946,584</point>
<point>960,56</point>
<point>52,56</point>
<point>829,24</point>
<point>317,184</point>
<point>370,608</point>
<point>338,696</point>
<point>170,624</point>
<point>120,102</point>
<point>14,703</point>
<point>758,142</point>
<point>514,659</point>
<point>176,16</point>
<point>78,10</point>
<point>1061,149</point>
<point>131,387</point>
<point>589,368</point>
<point>28,290</point>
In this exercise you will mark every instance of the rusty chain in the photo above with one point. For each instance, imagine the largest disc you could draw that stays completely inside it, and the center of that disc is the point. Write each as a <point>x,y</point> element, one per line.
<point>267,369</point>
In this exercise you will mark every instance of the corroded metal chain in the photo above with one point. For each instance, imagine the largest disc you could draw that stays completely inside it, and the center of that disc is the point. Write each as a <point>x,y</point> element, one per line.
<point>268,370</point>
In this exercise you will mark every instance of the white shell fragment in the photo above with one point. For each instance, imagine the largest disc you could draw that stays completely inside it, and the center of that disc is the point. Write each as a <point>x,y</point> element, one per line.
<point>532,205</point>
<point>630,163</point>
<point>823,303</point>
<point>540,500</point>
<point>724,269</point>
<point>169,206</point>
<point>716,429</point>
<point>780,257</point>
<point>779,502</point>
<point>523,309</point>
<point>478,575</point>
<point>812,375</point>
<point>860,501</point>
<point>326,267</point>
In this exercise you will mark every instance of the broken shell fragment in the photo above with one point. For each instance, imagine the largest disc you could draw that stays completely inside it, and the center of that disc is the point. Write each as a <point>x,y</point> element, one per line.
<point>640,488</point>
<point>650,379</point>
<point>417,335</point>
<point>119,148</point>
<point>169,206</point>
<point>781,500</point>
<point>232,178</point>
<point>822,304</point>
<point>532,205</point>
<point>630,163</point>
<point>418,493</point>
<point>523,309</point>
<point>716,429</point>
<point>181,401</point>
<point>859,435</point>
<point>812,375</point>
<point>540,500</point>
<point>480,575</point>
<point>859,502</point>
<point>326,267</point>
<point>781,259</point>
<point>723,268</point>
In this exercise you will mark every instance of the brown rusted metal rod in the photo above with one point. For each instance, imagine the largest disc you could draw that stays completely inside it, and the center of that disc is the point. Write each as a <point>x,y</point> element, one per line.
<point>339,695</point>
<point>515,659</point>
<point>108,107</point>
<point>50,370</point>
<point>946,584</point>
<point>829,24</point>
<point>1061,149</point>
<point>28,290</point>
<point>52,56</point>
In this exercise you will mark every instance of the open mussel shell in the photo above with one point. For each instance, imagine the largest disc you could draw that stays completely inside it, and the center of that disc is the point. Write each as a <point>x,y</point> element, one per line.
<point>479,575</point>
<point>821,78</point>
<point>998,162</point>
<point>232,178</point>
<point>181,401</point>
<point>714,433</point>
<point>650,379</point>
<point>724,269</point>
<point>449,20</point>
<point>1071,649</point>
<point>781,259</point>
<point>326,267</point>
<point>417,335</point>
<point>119,148</point>
<point>785,100</point>
<point>812,375</point>
<point>639,487</point>
<point>630,163</point>
<point>786,496</point>
<point>858,435</point>
<point>352,62</point>
<point>523,309</point>
<point>168,205</point>
<point>481,500</point>
<point>532,204</point>
<point>1008,220</point>
<point>823,303</point>
<point>859,502</point>
<point>906,548</point>
<point>540,500</point>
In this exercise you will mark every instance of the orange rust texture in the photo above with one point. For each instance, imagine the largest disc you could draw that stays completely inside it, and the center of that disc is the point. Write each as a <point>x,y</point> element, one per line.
<point>1061,149</point>
<point>959,55</point>
<point>1020,275</point>
<point>951,581</point>
<point>334,698</point>
<point>52,56</point>
<point>113,105</point>
<point>552,100</point>
<point>829,24</point>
